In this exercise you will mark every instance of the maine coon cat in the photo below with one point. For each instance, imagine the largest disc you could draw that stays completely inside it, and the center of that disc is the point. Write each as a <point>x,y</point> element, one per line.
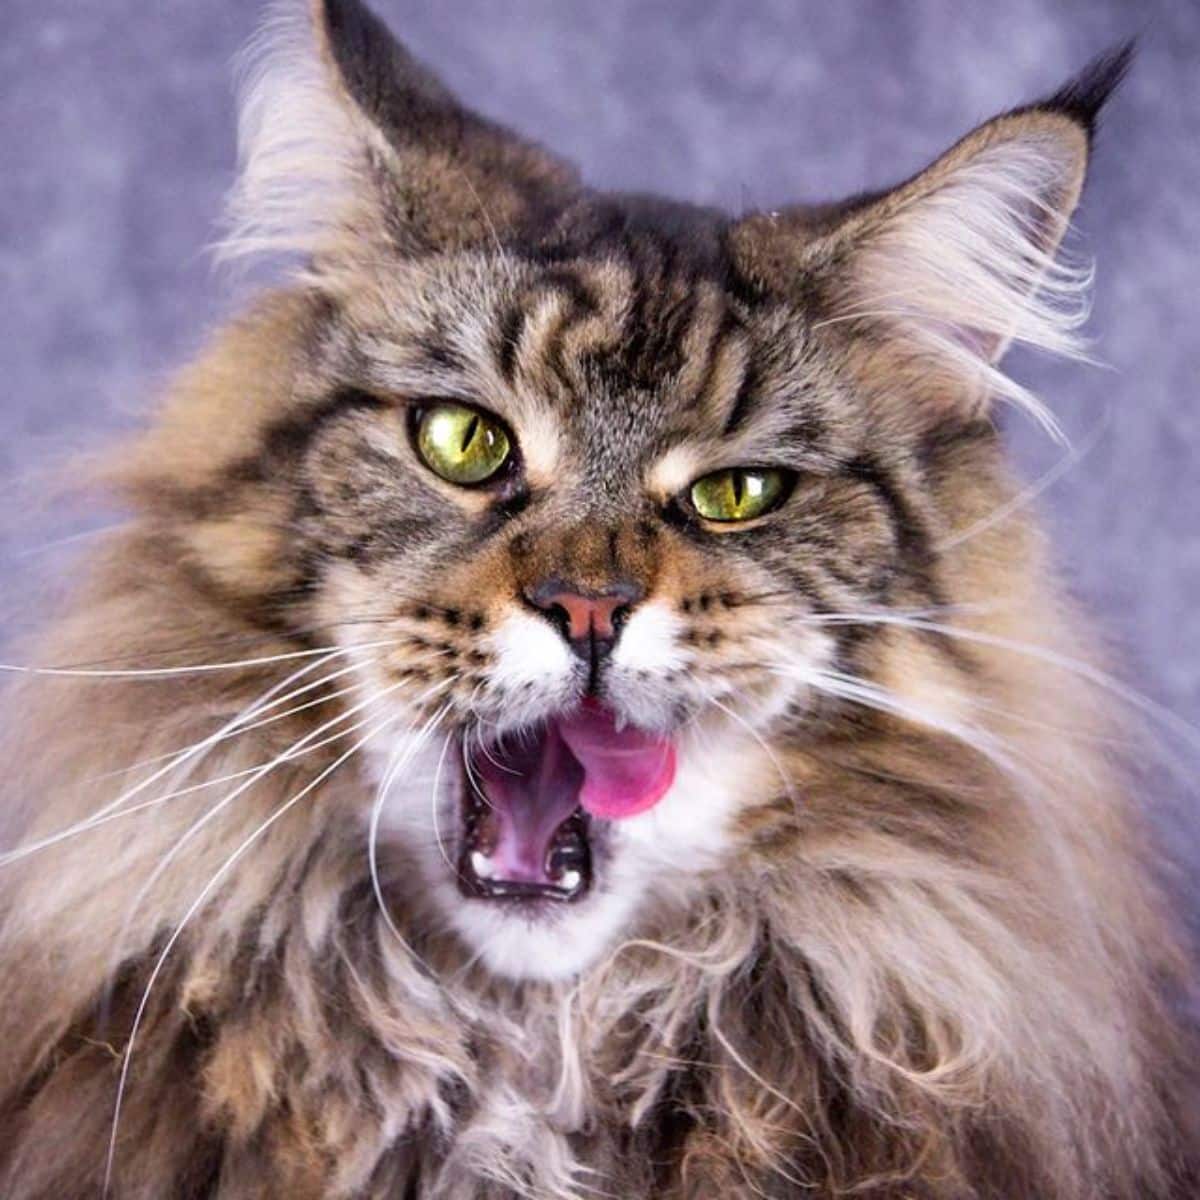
<point>579,708</point>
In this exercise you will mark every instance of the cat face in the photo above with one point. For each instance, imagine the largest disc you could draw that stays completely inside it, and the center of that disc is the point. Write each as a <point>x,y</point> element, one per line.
<point>588,573</point>
<point>597,490</point>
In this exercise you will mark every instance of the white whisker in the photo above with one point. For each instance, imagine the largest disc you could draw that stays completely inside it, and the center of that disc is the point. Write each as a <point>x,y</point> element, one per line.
<point>870,695</point>
<point>437,832</point>
<point>1028,495</point>
<point>142,806</point>
<point>196,905</point>
<point>1083,670</point>
<point>472,778</point>
<point>192,669</point>
<point>399,760</point>
<point>193,752</point>
<point>287,756</point>
<point>733,716</point>
<point>290,712</point>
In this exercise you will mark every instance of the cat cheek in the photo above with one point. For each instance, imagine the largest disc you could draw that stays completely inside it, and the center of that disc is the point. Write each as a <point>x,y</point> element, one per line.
<point>527,649</point>
<point>650,642</point>
<point>532,669</point>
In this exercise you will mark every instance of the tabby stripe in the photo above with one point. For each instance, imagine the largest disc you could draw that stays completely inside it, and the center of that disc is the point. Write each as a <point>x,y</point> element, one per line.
<point>744,402</point>
<point>581,305</point>
<point>729,330</point>
<point>910,532</point>
<point>290,437</point>
<point>917,548</point>
<point>508,341</point>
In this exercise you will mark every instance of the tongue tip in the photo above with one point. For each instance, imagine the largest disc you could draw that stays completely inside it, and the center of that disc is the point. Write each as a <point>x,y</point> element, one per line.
<point>600,799</point>
<point>627,770</point>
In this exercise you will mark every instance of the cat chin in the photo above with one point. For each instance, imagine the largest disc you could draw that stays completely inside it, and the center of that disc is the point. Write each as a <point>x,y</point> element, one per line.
<point>552,943</point>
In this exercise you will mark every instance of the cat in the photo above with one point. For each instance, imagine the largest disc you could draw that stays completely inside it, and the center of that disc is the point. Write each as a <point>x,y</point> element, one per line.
<point>579,706</point>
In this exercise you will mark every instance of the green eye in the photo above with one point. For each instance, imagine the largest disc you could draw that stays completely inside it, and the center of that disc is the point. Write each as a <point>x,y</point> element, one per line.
<point>462,444</point>
<point>739,493</point>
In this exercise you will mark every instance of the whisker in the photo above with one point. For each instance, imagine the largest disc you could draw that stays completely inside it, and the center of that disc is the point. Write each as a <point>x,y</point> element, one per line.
<point>472,778</point>
<point>196,905</point>
<point>783,776</point>
<point>269,720</point>
<point>141,656</point>
<point>194,669</point>
<point>193,752</point>
<point>1083,670</point>
<point>287,756</point>
<point>437,781</point>
<point>487,753</point>
<point>479,718</point>
<point>1028,495</point>
<point>870,695</point>
<point>399,760</point>
<point>308,687</point>
<point>142,806</point>
<point>68,540</point>
<point>994,750</point>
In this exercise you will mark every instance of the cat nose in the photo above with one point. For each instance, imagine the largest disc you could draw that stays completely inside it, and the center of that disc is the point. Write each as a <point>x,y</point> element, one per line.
<point>590,620</point>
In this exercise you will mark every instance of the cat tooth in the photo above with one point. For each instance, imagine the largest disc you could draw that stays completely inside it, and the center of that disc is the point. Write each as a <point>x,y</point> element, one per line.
<point>482,865</point>
<point>570,880</point>
<point>620,720</point>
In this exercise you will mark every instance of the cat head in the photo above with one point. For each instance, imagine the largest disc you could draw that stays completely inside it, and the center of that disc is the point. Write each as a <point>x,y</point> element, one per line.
<point>596,488</point>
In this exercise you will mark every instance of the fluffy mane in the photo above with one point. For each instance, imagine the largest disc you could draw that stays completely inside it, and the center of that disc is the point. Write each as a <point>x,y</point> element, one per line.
<point>918,950</point>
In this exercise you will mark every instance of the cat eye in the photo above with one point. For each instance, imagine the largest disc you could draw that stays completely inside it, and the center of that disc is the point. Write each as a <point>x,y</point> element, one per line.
<point>739,493</point>
<point>460,443</point>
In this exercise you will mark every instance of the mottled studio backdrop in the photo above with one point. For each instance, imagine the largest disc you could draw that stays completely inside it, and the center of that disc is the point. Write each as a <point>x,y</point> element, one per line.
<point>117,144</point>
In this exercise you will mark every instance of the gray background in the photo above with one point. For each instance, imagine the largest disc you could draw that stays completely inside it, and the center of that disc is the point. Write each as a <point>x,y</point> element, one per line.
<point>117,144</point>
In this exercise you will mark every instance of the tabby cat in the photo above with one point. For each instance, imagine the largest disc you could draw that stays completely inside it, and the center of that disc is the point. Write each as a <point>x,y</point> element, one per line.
<point>578,708</point>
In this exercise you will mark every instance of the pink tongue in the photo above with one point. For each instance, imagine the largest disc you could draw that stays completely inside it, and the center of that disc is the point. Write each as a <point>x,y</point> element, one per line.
<point>625,772</point>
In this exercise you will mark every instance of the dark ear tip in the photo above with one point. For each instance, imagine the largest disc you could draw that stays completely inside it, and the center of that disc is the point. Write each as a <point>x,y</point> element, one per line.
<point>347,21</point>
<point>341,11</point>
<point>332,15</point>
<point>1083,97</point>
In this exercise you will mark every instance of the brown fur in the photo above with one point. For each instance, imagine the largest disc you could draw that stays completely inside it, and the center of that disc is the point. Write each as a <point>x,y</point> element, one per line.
<point>932,963</point>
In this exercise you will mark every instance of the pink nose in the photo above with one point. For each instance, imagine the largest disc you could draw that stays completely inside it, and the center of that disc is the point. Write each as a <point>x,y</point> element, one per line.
<point>589,620</point>
<point>587,616</point>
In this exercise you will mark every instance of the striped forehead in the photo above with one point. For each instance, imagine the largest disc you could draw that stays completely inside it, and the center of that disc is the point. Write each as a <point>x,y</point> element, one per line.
<point>600,362</point>
<point>604,342</point>
<point>629,364</point>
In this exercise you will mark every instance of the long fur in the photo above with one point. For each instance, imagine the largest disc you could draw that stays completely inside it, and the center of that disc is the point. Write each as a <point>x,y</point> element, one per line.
<point>304,161</point>
<point>975,258</point>
<point>928,957</point>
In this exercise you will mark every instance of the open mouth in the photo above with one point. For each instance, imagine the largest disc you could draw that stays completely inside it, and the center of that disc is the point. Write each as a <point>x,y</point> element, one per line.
<point>531,801</point>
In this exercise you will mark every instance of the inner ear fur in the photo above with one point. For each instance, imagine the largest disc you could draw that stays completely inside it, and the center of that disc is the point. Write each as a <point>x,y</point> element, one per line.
<point>947,269</point>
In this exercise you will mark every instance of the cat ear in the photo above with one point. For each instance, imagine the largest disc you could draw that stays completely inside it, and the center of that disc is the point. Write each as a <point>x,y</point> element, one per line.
<point>343,131</point>
<point>958,262</point>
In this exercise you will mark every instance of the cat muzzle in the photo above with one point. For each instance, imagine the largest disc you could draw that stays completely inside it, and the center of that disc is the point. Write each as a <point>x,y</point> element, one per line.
<point>589,620</point>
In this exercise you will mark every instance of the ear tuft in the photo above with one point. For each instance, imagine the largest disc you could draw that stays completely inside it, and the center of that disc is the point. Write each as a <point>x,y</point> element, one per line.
<point>1083,97</point>
<point>300,158</point>
<point>964,260</point>
<point>351,148</point>
<point>398,94</point>
<point>961,260</point>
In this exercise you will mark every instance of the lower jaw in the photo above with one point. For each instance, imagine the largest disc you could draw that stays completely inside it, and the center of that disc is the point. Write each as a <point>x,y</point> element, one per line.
<point>537,942</point>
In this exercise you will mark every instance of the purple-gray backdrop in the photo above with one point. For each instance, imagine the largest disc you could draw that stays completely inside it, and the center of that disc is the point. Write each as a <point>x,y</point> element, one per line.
<point>117,143</point>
